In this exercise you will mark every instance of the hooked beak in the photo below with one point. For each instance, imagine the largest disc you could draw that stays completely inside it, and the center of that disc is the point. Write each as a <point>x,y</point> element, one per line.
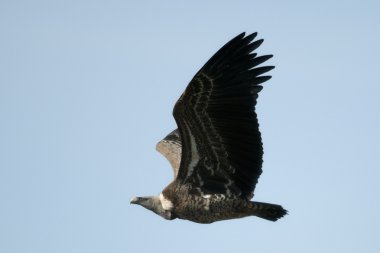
<point>135,200</point>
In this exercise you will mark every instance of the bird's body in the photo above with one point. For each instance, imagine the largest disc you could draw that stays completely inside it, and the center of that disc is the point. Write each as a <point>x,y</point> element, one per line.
<point>207,208</point>
<point>216,153</point>
<point>211,207</point>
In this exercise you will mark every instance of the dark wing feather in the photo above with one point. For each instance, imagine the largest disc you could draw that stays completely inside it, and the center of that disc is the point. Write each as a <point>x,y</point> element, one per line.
<point>221,143</point>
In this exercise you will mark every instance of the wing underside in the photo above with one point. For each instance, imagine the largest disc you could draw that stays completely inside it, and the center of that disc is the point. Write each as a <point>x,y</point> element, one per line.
<point>221,142</point>
<point>170,148</point>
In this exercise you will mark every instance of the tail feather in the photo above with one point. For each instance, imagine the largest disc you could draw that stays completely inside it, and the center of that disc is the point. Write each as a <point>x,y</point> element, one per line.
<point>267,211</point>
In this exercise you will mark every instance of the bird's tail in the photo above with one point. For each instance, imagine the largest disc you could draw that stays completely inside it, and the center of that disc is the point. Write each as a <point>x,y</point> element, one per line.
<point>267,211</point>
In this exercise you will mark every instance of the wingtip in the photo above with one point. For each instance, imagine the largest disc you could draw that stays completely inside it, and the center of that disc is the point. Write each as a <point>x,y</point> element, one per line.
<point>259,41</point>
<point>253,35</point>
<point>246,36</point>
<point>240,36</point>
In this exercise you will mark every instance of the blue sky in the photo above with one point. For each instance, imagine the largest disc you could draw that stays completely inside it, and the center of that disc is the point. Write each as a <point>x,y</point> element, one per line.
<point>87,89</point>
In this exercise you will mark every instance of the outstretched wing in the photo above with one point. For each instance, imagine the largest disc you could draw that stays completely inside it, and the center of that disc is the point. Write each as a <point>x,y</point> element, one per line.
<point>170,147</point>
<point>221,142</point>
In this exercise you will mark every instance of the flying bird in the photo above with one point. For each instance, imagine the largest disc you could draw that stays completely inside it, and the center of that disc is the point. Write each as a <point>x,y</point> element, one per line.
<point>216,153</point>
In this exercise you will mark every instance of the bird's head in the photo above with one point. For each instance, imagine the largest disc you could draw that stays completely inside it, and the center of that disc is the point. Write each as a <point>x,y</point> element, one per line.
<point>154,203</point>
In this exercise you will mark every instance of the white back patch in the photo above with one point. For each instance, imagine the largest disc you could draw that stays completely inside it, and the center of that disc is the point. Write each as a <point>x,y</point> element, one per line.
<point>166,204</point>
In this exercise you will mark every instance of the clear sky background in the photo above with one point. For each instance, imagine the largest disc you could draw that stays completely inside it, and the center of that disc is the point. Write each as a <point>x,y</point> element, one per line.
<point>87,89</point>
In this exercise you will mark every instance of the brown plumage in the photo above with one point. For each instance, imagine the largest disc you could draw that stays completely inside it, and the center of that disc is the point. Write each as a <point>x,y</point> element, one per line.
<point>216,153</point>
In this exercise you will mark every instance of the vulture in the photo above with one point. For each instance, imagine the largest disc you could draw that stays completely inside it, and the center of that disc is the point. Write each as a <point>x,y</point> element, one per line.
<point>217,153</point>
